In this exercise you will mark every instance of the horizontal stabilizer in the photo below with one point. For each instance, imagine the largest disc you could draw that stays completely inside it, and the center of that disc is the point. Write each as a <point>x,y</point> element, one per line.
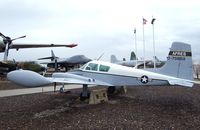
<point>181,82</point>
<point>47,58</point>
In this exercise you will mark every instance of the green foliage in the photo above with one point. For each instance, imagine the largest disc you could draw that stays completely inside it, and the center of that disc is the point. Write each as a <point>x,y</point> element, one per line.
<point>31,66</point>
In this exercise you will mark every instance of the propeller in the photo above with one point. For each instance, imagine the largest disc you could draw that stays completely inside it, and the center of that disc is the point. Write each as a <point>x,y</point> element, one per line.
<point>8,43</point>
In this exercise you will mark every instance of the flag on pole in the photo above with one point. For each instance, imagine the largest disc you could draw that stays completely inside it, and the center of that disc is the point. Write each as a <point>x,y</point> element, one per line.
<point>152,21</point>
<point>135,31</point>
<point>144,21</point>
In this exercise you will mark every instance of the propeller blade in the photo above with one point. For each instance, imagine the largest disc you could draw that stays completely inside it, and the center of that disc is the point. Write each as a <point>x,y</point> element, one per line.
<point>3,35</point>
<point>19,37</point>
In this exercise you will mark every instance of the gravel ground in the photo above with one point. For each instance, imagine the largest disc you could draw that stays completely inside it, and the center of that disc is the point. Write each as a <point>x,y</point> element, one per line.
<point>142,108</point>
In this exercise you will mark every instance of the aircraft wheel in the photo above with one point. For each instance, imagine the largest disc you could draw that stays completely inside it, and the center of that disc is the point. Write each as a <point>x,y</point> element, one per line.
<point>111,89</point>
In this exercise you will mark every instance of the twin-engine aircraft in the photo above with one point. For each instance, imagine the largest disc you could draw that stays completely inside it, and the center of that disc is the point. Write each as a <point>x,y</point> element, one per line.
<point>176,71</point>
<point>6,43</point>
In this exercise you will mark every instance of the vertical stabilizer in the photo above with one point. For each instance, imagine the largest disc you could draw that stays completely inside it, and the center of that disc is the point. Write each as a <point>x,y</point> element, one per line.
<point>133,56</point>
<point>113,59</point>
<point>53,57</point>
<point>179,61</point>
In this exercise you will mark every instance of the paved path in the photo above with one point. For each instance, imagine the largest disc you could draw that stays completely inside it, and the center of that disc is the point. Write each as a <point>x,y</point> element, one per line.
<point>13,92</point>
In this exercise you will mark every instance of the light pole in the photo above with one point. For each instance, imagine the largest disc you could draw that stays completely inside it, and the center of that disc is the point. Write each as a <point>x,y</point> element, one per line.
<point>144,22</point>
<point>154,52</point>
<point>135,45</point>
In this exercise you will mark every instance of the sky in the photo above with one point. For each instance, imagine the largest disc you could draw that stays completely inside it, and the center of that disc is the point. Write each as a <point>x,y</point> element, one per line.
<point>100,26</point>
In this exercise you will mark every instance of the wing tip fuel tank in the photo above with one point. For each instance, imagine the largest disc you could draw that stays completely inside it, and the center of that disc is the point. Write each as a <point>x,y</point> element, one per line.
<point>27,78</point>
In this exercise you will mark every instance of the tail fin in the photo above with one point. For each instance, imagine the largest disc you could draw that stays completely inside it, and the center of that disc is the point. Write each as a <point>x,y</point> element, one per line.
<point>113,59</point>
<point>179,61</point>
<point>156,59</point>
<point>133,56</point>
<point>52,57</point>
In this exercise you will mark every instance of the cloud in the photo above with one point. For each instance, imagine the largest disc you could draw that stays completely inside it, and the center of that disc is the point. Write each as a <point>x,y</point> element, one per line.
<point>100,26</point>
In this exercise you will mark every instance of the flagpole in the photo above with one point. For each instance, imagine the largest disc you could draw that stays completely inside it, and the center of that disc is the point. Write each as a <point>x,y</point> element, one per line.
<point>154,52</point>
<point>143,43</point>
<point>135,46</point>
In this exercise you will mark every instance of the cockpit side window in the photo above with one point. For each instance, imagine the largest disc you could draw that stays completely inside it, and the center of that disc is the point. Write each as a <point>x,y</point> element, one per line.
<point>104,68</point>
<point>92,66</point>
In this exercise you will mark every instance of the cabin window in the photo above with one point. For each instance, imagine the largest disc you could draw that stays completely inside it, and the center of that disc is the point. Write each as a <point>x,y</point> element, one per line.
<point>92,66</point>
<point>104,68</point>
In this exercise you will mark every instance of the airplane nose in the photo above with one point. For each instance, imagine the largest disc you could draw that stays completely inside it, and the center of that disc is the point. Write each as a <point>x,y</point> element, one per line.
<point>27,78</point>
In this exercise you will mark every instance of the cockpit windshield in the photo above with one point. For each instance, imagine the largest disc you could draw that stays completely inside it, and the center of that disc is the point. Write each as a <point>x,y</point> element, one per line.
<point>96,67</point>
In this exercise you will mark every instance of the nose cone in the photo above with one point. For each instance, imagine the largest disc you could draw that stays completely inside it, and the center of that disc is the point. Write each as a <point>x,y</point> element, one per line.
<point>27,78</point>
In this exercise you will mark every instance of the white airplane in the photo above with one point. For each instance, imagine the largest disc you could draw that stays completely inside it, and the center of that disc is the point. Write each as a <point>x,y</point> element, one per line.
<point>176,71</point>
<point>6,44</point>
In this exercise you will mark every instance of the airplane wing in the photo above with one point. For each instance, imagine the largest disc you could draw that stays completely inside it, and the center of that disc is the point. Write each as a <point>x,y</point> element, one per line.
<point>18,46</point>
<point>79,81</point>
<point>71,78</point>
<point>31,79</point>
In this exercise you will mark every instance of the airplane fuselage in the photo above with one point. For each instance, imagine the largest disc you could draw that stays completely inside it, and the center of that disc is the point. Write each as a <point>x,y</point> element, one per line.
<point>121,75</point>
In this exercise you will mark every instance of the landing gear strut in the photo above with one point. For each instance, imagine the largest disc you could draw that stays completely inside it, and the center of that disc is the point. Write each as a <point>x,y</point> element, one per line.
<point>85,93</point>
<point>55,87</point>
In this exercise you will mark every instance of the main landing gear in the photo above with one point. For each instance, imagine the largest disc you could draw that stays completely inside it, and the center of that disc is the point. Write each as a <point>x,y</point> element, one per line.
<point>85,93</point>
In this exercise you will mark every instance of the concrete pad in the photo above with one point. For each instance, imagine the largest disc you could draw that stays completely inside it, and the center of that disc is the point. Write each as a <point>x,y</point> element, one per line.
<point>14,92</point>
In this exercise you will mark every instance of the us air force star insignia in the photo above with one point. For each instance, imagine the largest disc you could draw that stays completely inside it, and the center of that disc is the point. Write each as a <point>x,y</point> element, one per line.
<point>144,79</point>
